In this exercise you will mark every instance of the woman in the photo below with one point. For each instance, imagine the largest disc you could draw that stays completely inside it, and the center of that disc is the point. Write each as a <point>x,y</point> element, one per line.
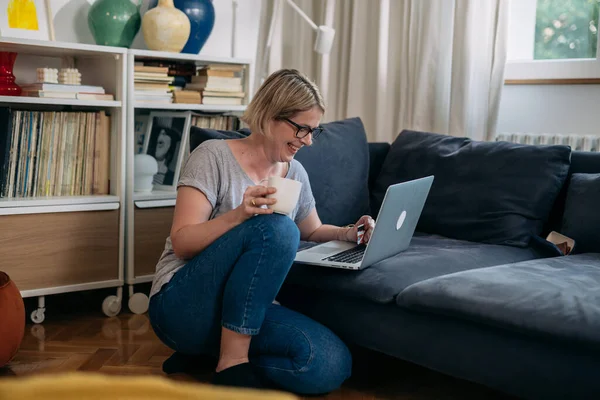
<point>163,149</point>
<point>228,254</point>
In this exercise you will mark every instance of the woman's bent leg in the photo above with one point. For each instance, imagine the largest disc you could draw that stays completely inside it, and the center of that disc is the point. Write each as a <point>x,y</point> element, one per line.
<point>230,284</point>
<point>259,273</point>
<point>298,354</point>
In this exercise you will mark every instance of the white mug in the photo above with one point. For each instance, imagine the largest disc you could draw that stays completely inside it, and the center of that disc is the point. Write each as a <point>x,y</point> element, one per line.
<point>287,194</point>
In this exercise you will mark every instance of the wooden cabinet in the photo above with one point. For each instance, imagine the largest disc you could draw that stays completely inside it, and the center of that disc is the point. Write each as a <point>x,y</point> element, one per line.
<point>44,251</point>
<point>152,227</point>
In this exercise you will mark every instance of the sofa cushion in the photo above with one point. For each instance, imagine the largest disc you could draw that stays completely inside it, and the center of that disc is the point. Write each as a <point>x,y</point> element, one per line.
<point>581,218</point>
<point>338,168</point>
<point>427,256</point>
<point>199,135</point>
<point>490,192</point>
<point>337,165</point>
<point>585,162</point>
<point>557,296</point>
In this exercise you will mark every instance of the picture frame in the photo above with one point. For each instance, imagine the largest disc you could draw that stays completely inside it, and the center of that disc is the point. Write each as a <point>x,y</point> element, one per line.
<point>37,26</point>
<point>166,140</point>
<point>140,127</point>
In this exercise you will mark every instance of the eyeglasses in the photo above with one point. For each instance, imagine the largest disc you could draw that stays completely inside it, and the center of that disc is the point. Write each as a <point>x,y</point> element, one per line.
<point>302,131</point>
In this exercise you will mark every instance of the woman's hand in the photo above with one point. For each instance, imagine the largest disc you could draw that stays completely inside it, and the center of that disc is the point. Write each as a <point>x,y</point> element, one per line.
<point>368,224</point>
<point>254,199</point>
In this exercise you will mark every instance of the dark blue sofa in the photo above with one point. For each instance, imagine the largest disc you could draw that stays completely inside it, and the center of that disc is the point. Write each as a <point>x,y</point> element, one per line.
<point>479,294</point>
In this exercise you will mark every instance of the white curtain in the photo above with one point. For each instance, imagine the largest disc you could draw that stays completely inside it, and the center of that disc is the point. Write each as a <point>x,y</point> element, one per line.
<point>431,65</point>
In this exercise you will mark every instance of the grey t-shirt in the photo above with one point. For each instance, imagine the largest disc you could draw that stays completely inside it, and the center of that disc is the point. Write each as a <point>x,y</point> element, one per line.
<point>213,169</point>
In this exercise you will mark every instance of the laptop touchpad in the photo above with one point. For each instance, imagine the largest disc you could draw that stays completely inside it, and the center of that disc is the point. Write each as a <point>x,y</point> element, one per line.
<point>325,249</point>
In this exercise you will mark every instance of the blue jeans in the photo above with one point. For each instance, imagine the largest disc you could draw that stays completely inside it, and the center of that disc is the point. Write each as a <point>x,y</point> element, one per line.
<point>233,283</point>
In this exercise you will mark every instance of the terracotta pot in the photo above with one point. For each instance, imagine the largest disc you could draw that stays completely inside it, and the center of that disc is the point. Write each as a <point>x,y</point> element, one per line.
<point>12,315</point>
<point>165,28</point>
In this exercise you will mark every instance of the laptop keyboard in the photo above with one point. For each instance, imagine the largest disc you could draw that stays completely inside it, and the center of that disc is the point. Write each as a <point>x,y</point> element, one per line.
<point>350,256</point>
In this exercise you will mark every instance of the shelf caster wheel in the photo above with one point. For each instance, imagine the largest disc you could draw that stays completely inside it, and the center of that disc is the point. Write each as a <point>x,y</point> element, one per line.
<point>38,316</point>
<point>138,303</point>
<point>111,306</point>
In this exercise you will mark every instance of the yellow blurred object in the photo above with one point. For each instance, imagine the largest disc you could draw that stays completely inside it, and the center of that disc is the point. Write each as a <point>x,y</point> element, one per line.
<point>94,386</point>
<point>22,14</point>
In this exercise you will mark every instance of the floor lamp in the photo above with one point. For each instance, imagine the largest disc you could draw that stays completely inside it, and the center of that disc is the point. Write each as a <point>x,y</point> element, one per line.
<point>323,41</point>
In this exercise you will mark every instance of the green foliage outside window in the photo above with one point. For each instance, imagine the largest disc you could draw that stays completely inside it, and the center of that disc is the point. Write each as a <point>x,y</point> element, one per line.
<point>566,29</point>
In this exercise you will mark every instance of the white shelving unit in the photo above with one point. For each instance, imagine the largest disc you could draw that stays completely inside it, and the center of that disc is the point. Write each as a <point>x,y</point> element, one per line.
<point>14,100</point>
<point>189,107</point>
<point>65,201</point>
<point>159,202</point>
<point>100,65</point>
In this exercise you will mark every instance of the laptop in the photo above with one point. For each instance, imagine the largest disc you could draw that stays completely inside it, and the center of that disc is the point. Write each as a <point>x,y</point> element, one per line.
<point>394,229</point>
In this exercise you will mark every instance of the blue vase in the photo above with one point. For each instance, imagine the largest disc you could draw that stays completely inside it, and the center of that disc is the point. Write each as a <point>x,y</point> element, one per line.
<point>202,20</point>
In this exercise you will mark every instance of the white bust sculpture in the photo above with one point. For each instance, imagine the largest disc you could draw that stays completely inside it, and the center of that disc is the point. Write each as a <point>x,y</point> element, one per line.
<point>144,169</point>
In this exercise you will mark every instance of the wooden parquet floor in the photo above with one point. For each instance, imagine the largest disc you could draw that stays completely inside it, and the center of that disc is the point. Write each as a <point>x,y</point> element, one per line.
<point>86,340</point>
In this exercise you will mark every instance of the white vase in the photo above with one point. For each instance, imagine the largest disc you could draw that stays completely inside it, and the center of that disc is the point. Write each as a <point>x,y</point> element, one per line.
<point>144,169</point>
<point>165,28</point>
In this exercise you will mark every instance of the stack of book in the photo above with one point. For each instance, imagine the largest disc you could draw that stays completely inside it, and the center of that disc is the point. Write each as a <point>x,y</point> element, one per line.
<point>152,84</point>
<point>54,153</point>
<point>222,122</point>
<point>62,91</point>
<point>186,96</point>
<point>219,84</point>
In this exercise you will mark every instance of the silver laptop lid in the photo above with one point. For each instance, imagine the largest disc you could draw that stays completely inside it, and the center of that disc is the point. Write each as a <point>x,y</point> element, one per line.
<point>397,219</point>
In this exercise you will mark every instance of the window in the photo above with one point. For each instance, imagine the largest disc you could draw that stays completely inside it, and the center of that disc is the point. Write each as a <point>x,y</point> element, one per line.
<point>566,29</point>
<point>553,39</point>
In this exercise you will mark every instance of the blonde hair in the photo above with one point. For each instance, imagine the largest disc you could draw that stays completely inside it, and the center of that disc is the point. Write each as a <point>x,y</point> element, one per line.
<point>282,95</point>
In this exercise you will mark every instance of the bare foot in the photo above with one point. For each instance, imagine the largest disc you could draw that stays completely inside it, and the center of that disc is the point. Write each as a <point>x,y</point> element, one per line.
<point>225,363</point>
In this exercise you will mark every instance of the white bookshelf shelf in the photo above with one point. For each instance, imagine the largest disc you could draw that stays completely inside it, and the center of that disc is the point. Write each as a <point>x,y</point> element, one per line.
<point>155,195</point>
<point>150,54</point>
<point>47,48</point>
<point>189,107</point>
<point>59,102</point>
<point>56,201</point>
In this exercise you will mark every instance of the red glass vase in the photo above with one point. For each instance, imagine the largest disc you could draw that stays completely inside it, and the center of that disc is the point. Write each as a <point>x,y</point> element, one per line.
<point>8,87</point>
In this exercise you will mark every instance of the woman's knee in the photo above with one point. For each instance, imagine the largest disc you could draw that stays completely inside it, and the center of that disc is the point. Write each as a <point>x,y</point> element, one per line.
<point>181,324</point>
<point>279,231</point>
